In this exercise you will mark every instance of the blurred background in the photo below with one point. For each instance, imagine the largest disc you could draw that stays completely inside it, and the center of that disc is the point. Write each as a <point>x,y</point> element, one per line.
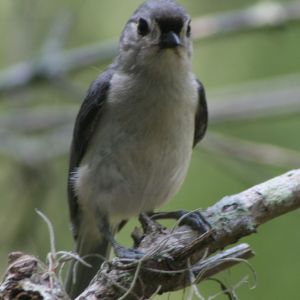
<point>247,54</point>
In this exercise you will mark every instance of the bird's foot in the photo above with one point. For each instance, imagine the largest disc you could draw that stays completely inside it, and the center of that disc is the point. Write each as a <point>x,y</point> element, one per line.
<point>127,253</point>
<point>194,219</point>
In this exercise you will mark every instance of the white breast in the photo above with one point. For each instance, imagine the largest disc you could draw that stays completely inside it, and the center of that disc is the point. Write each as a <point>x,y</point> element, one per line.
<point>140,152</point>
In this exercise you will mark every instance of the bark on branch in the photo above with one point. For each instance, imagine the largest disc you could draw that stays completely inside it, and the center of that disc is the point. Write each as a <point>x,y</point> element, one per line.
<point>174,258</point>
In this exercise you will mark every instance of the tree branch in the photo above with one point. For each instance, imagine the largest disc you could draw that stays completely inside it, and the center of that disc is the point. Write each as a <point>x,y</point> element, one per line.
<point>178,257</point>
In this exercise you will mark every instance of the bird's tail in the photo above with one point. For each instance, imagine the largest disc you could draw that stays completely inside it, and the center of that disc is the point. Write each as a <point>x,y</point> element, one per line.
<point>93,250</point>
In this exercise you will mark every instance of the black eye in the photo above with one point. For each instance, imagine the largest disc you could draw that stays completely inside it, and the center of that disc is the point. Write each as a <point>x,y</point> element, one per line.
<point>188,31</point>
<point>143,27</point>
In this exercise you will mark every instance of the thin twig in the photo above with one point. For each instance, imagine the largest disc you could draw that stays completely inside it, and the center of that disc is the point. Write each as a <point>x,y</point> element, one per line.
<point>51,232</point>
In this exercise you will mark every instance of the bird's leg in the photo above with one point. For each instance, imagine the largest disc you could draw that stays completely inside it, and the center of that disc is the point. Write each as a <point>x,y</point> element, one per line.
<point>149,224</point>
<point>120,251</point>
<point>193,219</point>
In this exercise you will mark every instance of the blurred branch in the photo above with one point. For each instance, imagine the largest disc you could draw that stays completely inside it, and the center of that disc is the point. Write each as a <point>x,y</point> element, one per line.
<point>58,33</point>
<point>41,118</point>
<point>47,67</point>
<point>51,64</point>
<point>263,15</point>
<point>270,97</point>
<point>174,258</point>
<point>33,150</point>
<point>252,151</point>
<point>278,96</point>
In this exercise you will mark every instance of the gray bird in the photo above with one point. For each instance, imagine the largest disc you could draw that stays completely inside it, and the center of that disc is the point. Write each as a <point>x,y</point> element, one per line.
<point>134,134</point>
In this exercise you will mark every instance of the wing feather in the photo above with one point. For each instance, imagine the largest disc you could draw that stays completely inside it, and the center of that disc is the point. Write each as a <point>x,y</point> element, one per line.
<point>89,115</point>
<point>201,119</point>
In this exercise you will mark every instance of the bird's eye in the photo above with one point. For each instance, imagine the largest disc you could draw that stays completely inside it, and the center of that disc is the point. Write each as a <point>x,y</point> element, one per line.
<point>188,31</point>
<point>143,27</point>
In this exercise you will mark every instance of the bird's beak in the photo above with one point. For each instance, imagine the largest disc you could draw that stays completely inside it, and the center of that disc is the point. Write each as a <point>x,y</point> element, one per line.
<point>169,40</point>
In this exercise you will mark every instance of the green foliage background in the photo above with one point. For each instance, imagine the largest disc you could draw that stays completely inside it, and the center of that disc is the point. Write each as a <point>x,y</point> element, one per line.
<point>220,62</point>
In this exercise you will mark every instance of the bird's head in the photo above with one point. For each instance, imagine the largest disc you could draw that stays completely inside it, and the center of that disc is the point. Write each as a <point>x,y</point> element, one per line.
<point>157,35</point>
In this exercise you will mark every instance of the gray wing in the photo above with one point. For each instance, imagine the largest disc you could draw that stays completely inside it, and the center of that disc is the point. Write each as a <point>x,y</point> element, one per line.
<point>201,119</point>
<point>89,114</point>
